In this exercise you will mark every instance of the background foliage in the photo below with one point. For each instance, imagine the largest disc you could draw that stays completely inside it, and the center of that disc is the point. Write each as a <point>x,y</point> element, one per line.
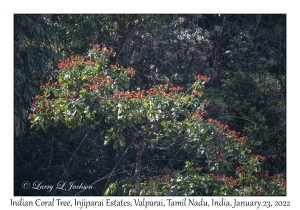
<point>244,55</point>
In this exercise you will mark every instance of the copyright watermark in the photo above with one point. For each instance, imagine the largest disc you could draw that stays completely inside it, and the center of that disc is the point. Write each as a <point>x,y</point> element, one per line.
<point>26,185</point>
<point>61,185</point>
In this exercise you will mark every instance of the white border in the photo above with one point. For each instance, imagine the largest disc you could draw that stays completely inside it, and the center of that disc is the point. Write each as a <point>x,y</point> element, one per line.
<point>154,6</point>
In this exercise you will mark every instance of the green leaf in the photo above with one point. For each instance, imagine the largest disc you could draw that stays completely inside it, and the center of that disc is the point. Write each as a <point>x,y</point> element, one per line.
<point>110,130</point>
<point>115,145</point>
<point>122,142</point>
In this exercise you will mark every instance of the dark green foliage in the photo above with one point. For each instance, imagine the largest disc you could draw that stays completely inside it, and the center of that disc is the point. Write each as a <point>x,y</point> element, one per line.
<point>251,88</point>
<point>39,42</point>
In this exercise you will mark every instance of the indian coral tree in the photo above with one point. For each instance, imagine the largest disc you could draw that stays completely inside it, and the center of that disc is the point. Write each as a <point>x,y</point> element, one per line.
<point>164,119</point>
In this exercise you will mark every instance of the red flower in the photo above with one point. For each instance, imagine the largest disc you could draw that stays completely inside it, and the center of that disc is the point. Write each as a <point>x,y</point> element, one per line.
<point>107,51</point>
<point>94,86</point>
<point>240,139</point>
<point>56,84</point>
<point>231,132</point>
<point>203,78</point>
<point>239,168</point>
<point>220,155</point>
<point>131,71</point>
<point>197,92</point>
<point>259,157</point>
<point>86,86</point>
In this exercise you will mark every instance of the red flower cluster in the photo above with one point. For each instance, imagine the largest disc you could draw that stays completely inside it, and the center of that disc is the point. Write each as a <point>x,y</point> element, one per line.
<point>282,184</point>
<point>161,86</point>
<point>30,115</point>
<point>86,86</point>
<point>95,46</point>
<point>74,61</point>
<point>219,177</point>
<point>91,87</point>
<point>152,91</point>
<point>198,119</point>
<point>279,175</point>
<point>277,179</point>
<point>131,71</point>
<point>203,78</point>
<point>94,86</point>
<point>35,106</point>
<point>262,175</point>
<point>218,155</point>
<point>156,90</point>
<point>49,84</point>
<point>231,132</point>
<point>209,120</point>
<point>36,97</point>
<point>107,51</point>
<point>112,66</point>
<point>68,95</point>
<point>205,101</point>
<point>260,191</point>
<point>199,168</point>
<point>230,179</point>
<point>97,79</point>
<point>68,62</point>
<point>239,139</point>
<point>239,168</point>
<point>226,178</point>
<point>200,112</point>
<point>224,127</point>
<point>178,88</point>
<point>197,92</point>
<point>259,157</point>
<point>140,95</point>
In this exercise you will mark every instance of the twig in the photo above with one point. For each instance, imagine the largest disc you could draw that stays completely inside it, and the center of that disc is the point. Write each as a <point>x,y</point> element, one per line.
<point>75,153</point>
